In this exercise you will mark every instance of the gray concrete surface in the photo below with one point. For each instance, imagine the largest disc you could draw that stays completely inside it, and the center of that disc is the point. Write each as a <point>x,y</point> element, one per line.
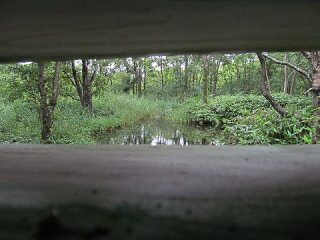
<point>204,192</point>
<point>179,178</point>
<point>46,30</point>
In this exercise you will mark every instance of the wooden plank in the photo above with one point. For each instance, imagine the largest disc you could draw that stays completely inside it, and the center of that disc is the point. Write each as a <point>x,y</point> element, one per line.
<point>259,188</point>
<point>33,30</point>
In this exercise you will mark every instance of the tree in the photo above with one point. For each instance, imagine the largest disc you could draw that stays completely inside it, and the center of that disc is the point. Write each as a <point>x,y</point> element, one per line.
<point>83,82</point>
<point>313,77</point>
<point>205,78</point>
<point>48,104</point>
<point>216,59</point>
<point>314,59</point>
<point>137,75</point>
<point>266,89</point>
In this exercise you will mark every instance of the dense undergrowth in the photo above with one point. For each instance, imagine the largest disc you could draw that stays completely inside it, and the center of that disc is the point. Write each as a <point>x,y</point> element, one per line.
<point>239,119</point>
<point>249,119</point>
<point>72,123</point>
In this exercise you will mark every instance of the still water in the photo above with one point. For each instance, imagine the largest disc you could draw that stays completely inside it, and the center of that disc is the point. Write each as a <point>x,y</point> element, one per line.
<point>160,133</point>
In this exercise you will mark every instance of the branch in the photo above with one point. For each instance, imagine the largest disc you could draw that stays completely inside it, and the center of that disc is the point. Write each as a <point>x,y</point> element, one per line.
<point>309,90</point>
<point>74,98</point>
<point>265,89</point>
<point>299,70</point>
<point>71,79</point>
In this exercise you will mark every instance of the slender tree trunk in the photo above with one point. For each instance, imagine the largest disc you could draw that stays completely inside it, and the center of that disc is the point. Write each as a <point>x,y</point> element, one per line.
<point>139,78</point>
<point>214,85</point>
<point>161,72</point>
<point>77,82</point>
<point>186,73</point>
<point>137,74</point>
<point>265,88</point>
<point>268,79</point>
<point>285,70</point>
<point>205,78</point>
<point>215,77</point>
<point>292,84</point>
<point>144,79</point>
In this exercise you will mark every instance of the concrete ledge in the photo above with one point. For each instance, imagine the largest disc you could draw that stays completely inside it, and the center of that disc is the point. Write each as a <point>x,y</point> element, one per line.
<point>258,187</point>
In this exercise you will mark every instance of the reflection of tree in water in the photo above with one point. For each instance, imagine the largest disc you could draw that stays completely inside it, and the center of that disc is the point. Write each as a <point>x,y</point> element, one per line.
<point>159,133</point>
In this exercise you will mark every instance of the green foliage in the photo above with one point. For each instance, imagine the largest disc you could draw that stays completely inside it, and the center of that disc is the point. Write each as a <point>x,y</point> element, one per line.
<point>19,122</point>
<point>249,119</point>
<point>172,88</point>
<point>72,123</point>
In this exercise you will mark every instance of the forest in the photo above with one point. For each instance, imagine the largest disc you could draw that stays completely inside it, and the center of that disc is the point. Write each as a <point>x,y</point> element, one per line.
<point>213,99</point>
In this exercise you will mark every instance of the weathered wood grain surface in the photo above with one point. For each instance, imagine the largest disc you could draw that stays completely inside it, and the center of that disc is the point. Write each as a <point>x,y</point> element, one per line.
<point>33,30</point>
<point>262,188</point>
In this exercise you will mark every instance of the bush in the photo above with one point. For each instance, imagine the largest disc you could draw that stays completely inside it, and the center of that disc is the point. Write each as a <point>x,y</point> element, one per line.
<point>249,119</point>
<point>19,122</point>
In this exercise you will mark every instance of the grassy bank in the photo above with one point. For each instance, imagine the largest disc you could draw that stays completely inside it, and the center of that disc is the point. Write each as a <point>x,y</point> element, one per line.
<point>73,124</point>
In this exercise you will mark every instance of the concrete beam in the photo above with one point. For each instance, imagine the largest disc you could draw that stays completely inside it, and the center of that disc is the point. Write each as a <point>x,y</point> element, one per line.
<point>259,188</point>
<point>47,30</point>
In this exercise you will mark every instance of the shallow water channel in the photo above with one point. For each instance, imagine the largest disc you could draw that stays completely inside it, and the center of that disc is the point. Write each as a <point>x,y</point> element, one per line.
<point>160,133</point>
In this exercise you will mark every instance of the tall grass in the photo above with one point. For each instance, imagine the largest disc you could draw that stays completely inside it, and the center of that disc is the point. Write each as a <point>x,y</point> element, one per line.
<point>19,121</point>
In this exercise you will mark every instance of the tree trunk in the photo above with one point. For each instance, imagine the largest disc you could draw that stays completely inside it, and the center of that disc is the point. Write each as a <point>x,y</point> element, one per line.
<point>55,86</point>
<point>293,81</point>
<point>215,77</point>
<point>139,78</point>
<point>47,109</point>
<point>76,82</point>
<point>137,75</point>
<point>186,73</point>
<point>285,70</point>
<point>44,110</point>
<point>265,88</point>
<point>86,86</point>
<point>205,78</point>
<point>144,79</point>
<point>161,72</point>
<point>315,77</point>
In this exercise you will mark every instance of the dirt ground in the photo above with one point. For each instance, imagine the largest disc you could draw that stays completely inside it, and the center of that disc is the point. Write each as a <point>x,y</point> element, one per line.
<point>144,192</point>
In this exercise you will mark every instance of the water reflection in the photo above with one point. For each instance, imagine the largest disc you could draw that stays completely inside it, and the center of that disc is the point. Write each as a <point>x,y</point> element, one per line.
<point>160,133</point>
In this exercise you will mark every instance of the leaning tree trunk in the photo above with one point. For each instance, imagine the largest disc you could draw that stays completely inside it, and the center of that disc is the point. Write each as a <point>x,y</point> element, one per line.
<point>47,106</point>
<point>265,88</point>
<point>76,82</point>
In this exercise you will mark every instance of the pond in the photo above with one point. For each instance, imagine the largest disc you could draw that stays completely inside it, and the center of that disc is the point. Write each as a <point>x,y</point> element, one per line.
<point>161,133</point>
